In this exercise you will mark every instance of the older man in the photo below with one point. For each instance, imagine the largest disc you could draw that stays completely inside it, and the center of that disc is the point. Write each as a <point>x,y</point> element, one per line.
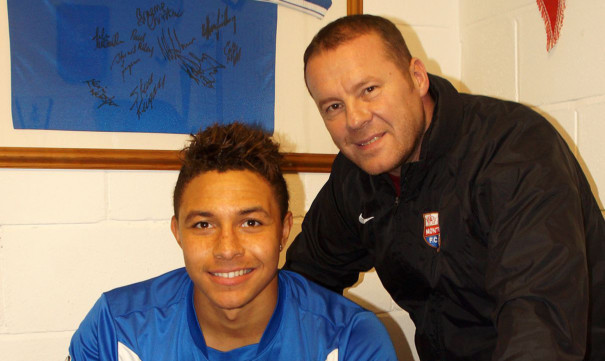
<point>474,212</point>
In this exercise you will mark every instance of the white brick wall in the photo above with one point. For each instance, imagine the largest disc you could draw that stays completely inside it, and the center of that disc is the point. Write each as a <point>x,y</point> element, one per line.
<point>68,235</point>
<point>52,196</point>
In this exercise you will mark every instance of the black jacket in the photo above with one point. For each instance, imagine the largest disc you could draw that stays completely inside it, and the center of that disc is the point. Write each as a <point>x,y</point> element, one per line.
<point>517,271</point>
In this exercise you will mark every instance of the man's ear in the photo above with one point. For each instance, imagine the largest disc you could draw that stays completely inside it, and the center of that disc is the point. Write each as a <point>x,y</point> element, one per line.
<point>419,76</point>
<point>174,227</point>
<point>286,228</point>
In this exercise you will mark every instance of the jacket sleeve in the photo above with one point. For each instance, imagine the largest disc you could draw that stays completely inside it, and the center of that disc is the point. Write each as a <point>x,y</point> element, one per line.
<point>528,201</point>
<point>328,250</point>
<point>366,339</point>
<point>95,339</point>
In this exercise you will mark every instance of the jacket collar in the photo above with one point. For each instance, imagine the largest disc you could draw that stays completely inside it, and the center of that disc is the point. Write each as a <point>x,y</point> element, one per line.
<point>445,123</point>
<point>438,139</point>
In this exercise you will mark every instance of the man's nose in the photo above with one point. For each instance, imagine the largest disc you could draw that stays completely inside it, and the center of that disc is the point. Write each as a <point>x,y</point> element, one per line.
<point>358,114</point>
<point>228,245</point>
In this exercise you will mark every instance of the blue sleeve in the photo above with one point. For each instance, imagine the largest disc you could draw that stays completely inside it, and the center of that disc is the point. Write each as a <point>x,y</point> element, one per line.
<point>367,340</point>
<point>95,339</point>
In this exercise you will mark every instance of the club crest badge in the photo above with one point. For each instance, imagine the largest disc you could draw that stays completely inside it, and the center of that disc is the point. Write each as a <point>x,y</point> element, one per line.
<point>431,229</point>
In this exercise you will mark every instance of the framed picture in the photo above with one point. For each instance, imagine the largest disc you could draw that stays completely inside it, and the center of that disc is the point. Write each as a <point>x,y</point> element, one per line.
<point>27,148</point>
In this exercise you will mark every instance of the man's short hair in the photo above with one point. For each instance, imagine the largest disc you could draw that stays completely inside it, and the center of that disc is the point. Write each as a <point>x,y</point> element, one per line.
<point>233,147</point>
<point>350,27</point>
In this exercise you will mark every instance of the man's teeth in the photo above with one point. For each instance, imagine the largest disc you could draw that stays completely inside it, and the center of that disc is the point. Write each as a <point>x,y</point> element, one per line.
<point>232,274</point>
<point>370,141</point>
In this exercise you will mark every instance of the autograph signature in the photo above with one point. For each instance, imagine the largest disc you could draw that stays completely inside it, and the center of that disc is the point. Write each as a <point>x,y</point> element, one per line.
<point>104,40</point>
<point>142,44</point>
<point>233,52</point>
<point>100,92</point>
<point>170,45</point>
<point>120,59</point>
<point>208,28</point>
<point>201,69</point>
<point>155,15</point>
<point>144,94</point>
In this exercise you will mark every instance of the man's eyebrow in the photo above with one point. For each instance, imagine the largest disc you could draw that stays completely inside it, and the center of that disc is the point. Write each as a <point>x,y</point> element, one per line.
<point>208,214</point>
<point>322,103</point>
<point>246,211</point>
<point>194,214</point>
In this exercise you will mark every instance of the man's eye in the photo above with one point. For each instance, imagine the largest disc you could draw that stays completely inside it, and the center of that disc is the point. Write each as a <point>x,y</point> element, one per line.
<point>251,223</point>
<point>202,225</point>
<point>370,89</point>
<point>332,107</point>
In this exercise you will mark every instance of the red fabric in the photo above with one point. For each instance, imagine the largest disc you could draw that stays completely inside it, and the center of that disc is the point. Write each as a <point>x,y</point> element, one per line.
<point>396,182</point>
<point>552,13</point>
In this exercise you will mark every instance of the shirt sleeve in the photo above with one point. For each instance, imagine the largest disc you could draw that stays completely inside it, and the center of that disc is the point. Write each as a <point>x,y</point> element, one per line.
<point>95,339</point>
<point>328,250</point>
<point>529,203</point>
<point>366,339</point>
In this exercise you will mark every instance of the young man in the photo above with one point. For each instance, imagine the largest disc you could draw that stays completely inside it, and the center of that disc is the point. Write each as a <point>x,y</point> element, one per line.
<point>231,220</point>
<point>478,219</point>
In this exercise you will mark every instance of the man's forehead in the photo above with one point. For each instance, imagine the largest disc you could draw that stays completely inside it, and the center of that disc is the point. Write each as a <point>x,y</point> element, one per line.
<point>362,40</point>
<point>232,186</point>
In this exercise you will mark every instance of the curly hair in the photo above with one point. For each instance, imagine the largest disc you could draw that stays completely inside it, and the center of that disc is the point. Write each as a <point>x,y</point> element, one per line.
<point>351,27</point>
<point>232,147</point>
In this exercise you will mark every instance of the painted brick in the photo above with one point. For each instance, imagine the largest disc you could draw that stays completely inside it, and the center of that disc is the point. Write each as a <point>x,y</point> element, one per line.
<point>550,77</point>
<point>438,48</point>
<point>370,293</point>
<point>52,275</point>
<point>296,189</point>
<point>472,11</point>
<point>564,120</point>
<point>591,130</point>
<point>313,183</point>
<point>51,196</point>
<point>401,329</point>
<point>2,281</point>
<point>295,110</point>
<point>28,347</point>
<point>440,13</point>
<point>141,195</point>
<point>490,42</point>
<point>290,90</point>
<point>303,188</point>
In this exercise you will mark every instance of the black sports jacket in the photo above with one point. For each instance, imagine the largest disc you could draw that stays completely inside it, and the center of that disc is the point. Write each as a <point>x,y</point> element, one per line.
<point>495,246</point>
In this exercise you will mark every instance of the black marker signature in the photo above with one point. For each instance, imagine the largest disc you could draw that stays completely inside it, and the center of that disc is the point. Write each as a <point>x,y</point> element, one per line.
<point>208,29</point>
<point>155,15</point>
<point>128,68</point>
<point>120,59</point>
<point>233,52</point>
<point>100,92</point>
<point>144,94</point>
<point>142,44</point>
<point>201,69</point>
<point>170,45</point>
<point>104,40</point>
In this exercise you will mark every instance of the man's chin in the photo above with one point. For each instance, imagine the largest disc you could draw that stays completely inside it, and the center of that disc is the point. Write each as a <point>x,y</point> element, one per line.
<point>372,168</point>
<point>372,163</point>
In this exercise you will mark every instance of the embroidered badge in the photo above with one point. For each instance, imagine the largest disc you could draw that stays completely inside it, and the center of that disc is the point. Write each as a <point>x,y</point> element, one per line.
<point>431,229</point>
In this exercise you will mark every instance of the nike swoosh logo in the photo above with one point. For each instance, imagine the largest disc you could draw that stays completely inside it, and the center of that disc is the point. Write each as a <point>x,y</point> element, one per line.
<point>364,220</point>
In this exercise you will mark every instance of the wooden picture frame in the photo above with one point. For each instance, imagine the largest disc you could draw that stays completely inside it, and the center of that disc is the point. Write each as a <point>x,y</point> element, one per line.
<point>84,158</point>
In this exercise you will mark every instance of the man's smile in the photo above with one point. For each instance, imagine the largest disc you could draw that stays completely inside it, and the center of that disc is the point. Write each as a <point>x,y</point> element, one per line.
<point>232,274</point>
